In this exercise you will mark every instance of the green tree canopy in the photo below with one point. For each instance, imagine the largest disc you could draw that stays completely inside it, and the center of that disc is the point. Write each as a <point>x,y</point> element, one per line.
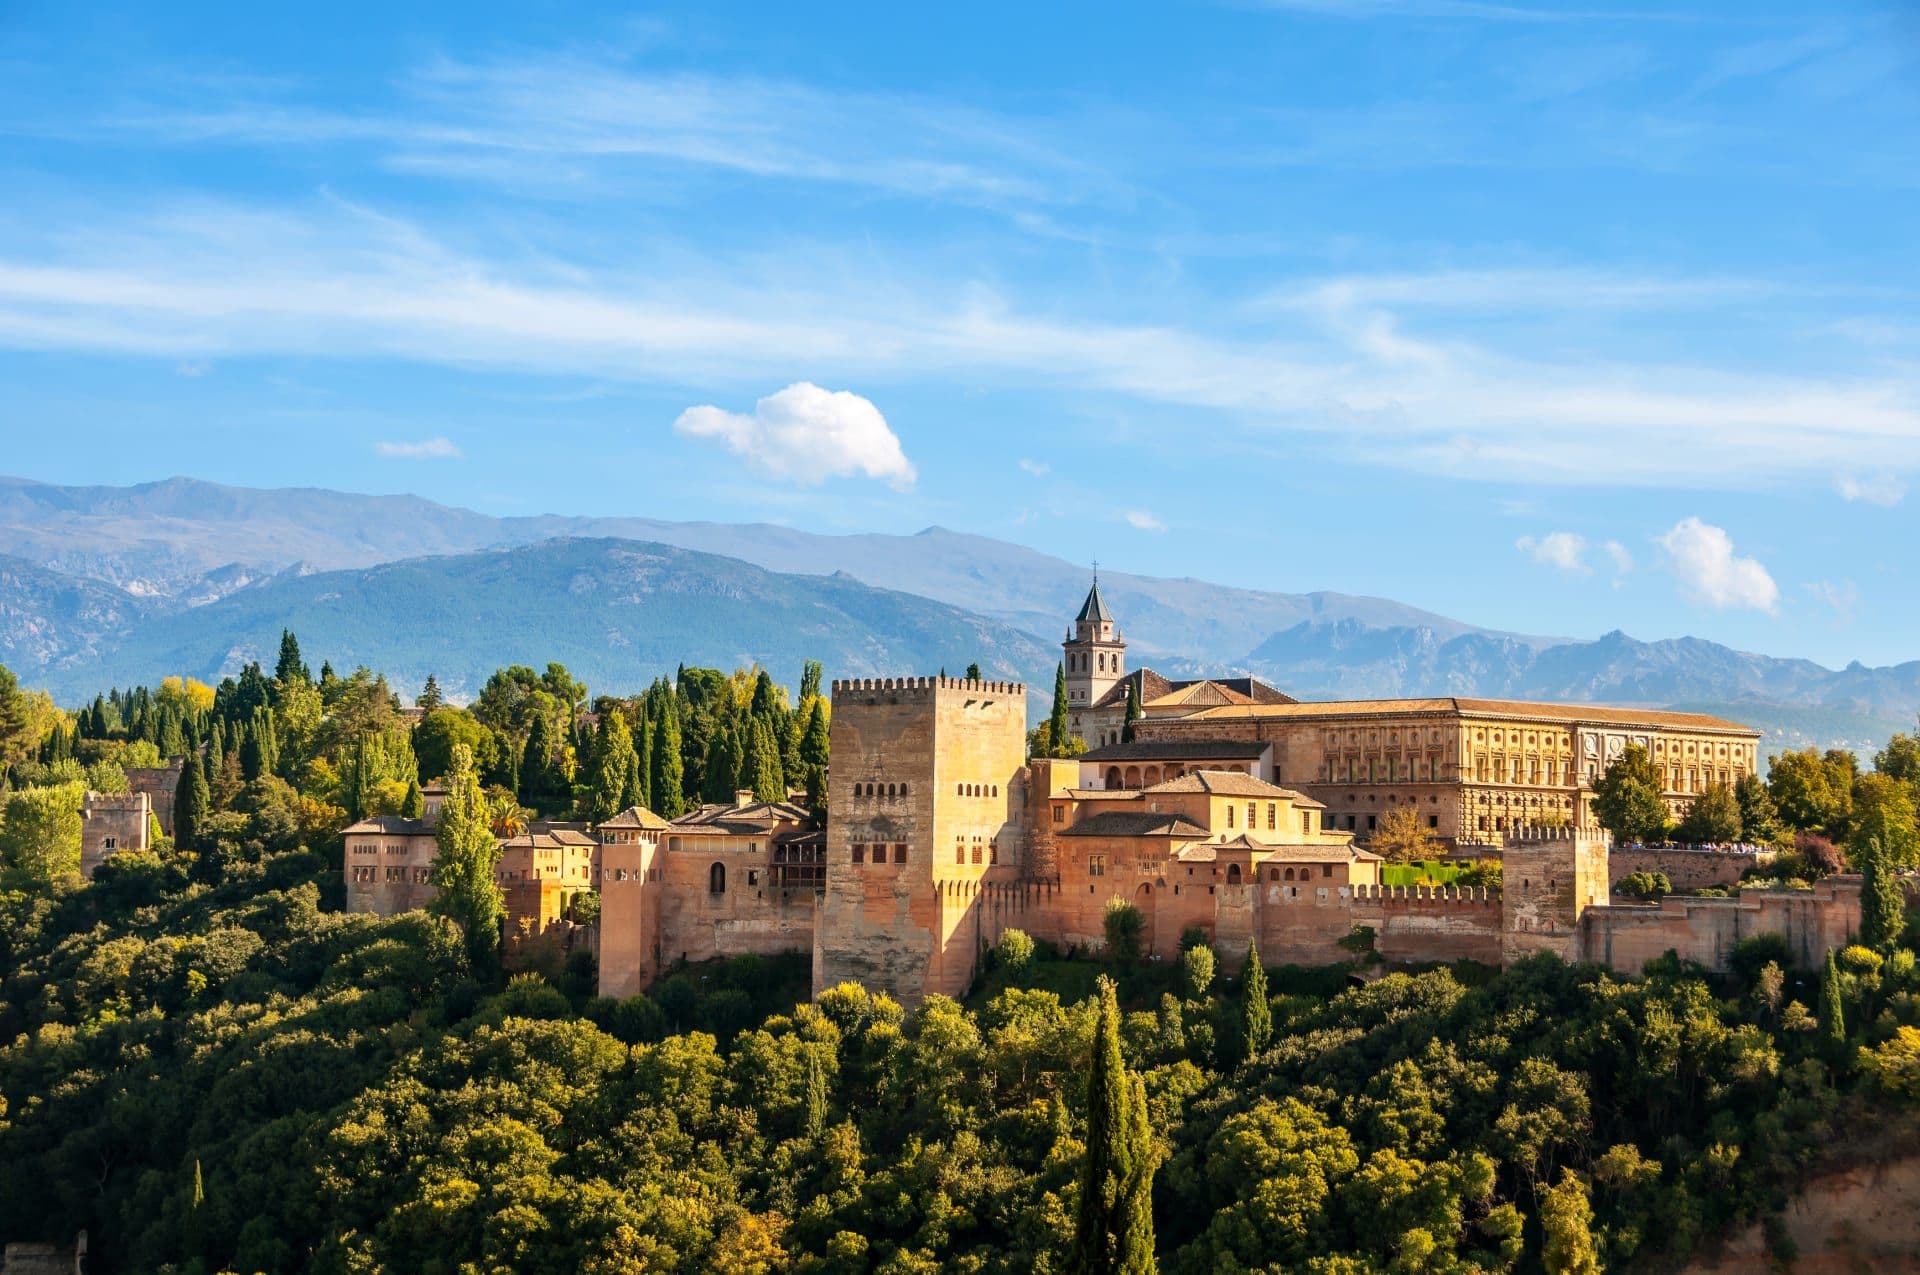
<point>1627,799</point>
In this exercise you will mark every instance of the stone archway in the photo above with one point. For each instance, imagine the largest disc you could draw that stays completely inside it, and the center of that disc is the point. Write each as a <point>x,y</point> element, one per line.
<point>1113,776</point>
<point>1133,777</point>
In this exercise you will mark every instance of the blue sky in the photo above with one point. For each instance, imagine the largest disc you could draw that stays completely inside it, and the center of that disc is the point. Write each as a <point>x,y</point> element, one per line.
<point>1555,319</point>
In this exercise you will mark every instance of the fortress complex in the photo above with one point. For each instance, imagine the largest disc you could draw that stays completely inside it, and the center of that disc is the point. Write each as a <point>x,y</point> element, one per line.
<point>1235,812</point>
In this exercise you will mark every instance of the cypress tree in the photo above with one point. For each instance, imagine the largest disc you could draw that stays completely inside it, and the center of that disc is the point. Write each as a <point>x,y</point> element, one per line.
<point>191,799</point>
<point>170,740</point>
<point>536,766</point>
<point>768,783</point>
<point>816,739</point>
<point>720,773</point>
<point>415,806</point>
<point>1883,905</point>
<point>1256,1013</point>
<point>613,763</point>
<point>643,763</point>
<point>216,751</point>
<point>1057,720</point>
<point>291,667</point>
<point>1113,1223</point>
<point>816,1093</point>
<point>1833,1023</point>
<point>1133,712</point>
<point>464,861</point>
<point>199,1186</point>
<point>668,801</point>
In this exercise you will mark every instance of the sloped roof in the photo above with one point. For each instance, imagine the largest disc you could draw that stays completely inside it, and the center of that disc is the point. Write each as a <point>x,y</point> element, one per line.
<point>753,818</point>
<point>1135,823</point>
<point>1153,689</point>
<point>1597,714</point>
<point>1231,783</point>
<point>557,839</point>
<point>635,817</point>
<point>1094,609</point>
<point>392,826</point>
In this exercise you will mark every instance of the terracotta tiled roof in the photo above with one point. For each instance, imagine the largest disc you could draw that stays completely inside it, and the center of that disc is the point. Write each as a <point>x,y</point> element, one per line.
<point>1135,823</point>
<point>1154,689</point>
<point>1231,783</point>
<point>635,817</point>
<point>559,839</point>
<point>392,826</point>
<point>1596,714</point>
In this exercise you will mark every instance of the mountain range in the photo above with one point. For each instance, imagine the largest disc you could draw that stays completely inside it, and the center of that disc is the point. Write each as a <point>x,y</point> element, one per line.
<point>105,585</point>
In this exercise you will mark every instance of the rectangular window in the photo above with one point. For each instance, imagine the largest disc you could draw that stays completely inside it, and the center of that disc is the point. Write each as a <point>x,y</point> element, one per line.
<point>859,854</point>
<point>1272,817</point>
<point>976,854</point>
<point>1096,865</point>
<point>1433,821</point>
<point>899,854</point>
<point>110,843</point>
<point>959,854</point>
<point>1250,816</point>
<point>1229,816</point>
<point>1372,822</point>
<point>1326,869</point>
<point>1059,814</point>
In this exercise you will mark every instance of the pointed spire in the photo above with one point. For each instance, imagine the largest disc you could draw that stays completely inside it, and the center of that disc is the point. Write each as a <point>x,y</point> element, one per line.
<point>1094,609</point>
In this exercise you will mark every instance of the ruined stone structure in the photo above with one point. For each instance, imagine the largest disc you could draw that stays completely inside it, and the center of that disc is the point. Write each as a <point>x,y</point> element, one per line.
<point>1688,868</point>
<point>110,825</point>
<point>159,783</point>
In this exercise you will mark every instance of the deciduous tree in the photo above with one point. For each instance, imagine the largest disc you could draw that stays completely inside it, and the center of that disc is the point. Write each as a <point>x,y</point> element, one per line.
<point>1627,798</point>
<point>464,861</point>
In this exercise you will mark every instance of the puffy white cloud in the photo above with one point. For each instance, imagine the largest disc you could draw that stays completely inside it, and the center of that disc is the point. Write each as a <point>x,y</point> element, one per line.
<point>1874,489</point>
<point>1618,555</point>
<point>425,449</point>
<point>1141,520</point>
<point>1560,549</point>
<point>1038,468</point>
<point>1701,557</point>
<point>806,434</point>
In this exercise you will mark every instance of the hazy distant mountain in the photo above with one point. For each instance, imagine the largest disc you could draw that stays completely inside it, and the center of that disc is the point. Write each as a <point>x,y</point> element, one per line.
<point>123,583</point>
<point>617,613</point>
<point>165,538</point>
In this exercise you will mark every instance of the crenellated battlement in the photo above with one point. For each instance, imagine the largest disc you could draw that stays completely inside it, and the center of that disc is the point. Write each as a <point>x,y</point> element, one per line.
<point>1389,895</point>
<point>1563,832</point>
<point>921,685</point>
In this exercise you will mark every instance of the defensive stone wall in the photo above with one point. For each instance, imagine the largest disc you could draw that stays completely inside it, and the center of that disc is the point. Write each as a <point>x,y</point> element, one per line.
<point>110,825</point>
<point>1813,922</point>
<point>160,783</point>
<point>1688,869</point>
<point>1414,923</point>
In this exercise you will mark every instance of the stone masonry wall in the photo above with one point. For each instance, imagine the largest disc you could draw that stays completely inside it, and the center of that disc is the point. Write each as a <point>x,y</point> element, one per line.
<point>1687,869</point>
<point>1813,922</point>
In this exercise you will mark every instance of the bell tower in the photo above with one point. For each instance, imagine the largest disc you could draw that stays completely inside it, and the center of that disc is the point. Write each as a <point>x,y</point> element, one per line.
<point>1095,658</point>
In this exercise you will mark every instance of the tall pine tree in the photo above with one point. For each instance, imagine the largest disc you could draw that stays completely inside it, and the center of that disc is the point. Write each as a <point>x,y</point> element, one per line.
<point>1833,1019</point>
<point>1883,904</point>
<point>767,781</point>
<point>1256,1014</point>
<point>191,801</point>
<point>668,800</point>
<point>464,861</point>
<point>291,667</point>
<point>1113,1222</point>
<point>613,763</point>
<point>1057,719</point>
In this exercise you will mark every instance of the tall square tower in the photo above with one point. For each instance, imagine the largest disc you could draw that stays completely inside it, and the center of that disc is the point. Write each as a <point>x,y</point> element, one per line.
<point>925,810</point>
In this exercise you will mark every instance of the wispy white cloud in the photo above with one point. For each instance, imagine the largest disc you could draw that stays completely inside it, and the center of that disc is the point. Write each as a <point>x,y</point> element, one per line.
<point>1562,550</point>
<point>1702,559</point>
<point>806,434</point>
<point>425,449</point>
<point>1141,520</point>
<point>1619,556</point>
<point>1839,596</point>
<point>1875,489</point>
<point>1359,380</point>
<point>1038,468</point>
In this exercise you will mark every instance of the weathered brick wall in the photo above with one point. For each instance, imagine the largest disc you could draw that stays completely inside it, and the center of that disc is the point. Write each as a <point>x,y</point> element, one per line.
<point>1441,923</point>
<point>1548,878</point>
<point>1687,869</point>
<point>749,916</point>
<point>629,918</point>
<point>121,819</point>
<point>1813,922</point>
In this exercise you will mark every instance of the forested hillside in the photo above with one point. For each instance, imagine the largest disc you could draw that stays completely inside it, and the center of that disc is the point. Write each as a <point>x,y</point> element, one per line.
<point>209,1067</point>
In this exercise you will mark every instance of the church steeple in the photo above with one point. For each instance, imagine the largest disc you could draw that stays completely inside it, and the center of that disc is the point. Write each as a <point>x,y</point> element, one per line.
<point>1095,657</point>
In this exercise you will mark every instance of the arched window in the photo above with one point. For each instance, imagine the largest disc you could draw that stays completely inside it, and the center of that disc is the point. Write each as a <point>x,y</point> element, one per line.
<point>717,879</point>
<point>1113,776</point>
<point>1287,875</point>
<point>1233,874</point>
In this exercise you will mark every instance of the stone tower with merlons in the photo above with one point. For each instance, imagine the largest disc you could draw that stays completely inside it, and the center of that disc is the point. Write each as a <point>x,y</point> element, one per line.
<point>1095,658</point>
